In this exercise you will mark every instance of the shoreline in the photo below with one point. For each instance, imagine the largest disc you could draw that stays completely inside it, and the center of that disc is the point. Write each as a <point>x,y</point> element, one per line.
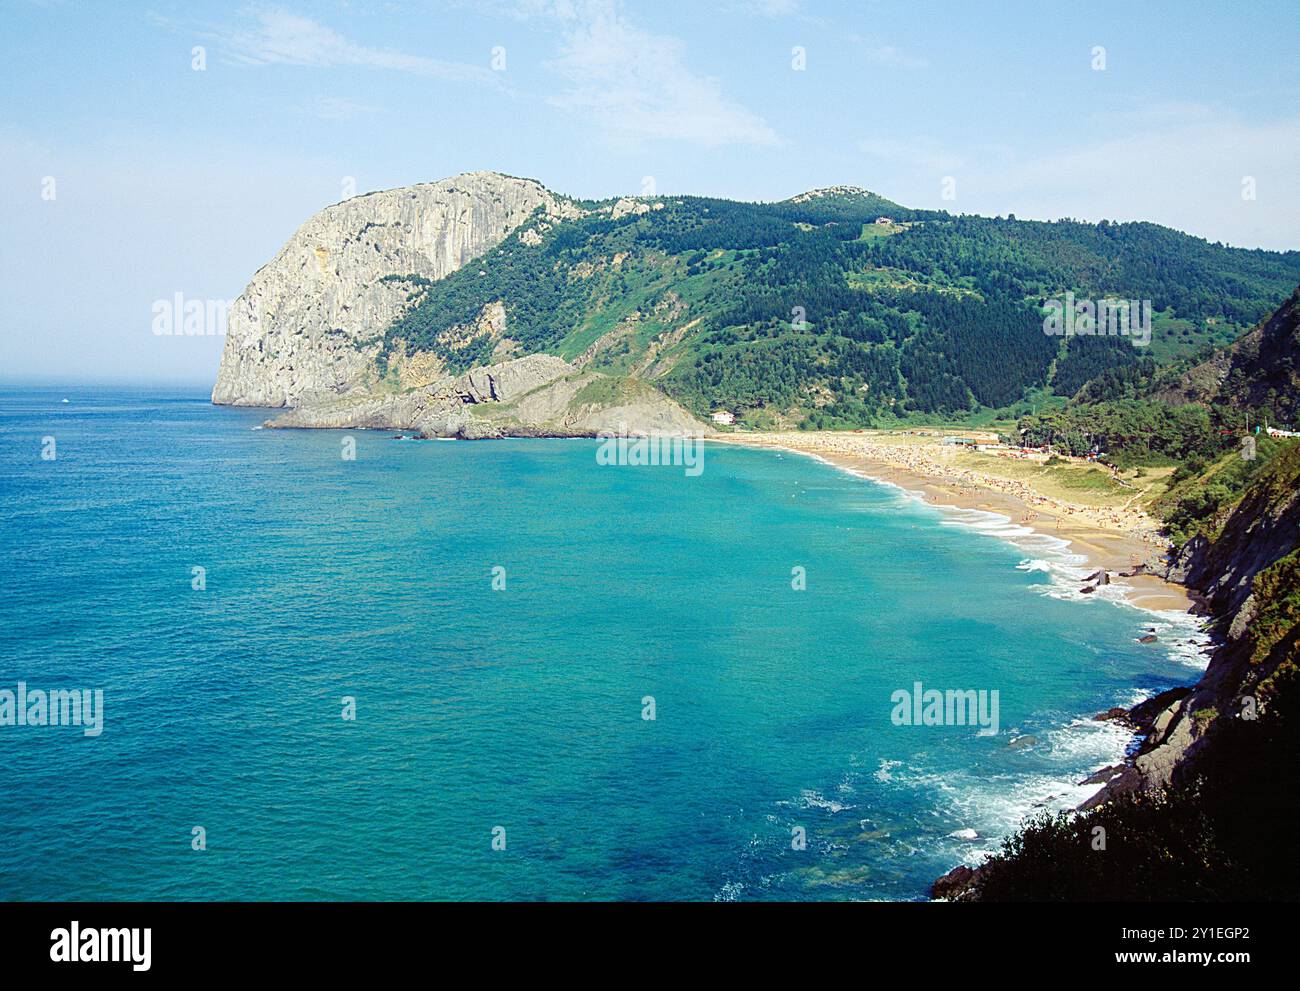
<point>1079,532</point>
<point>1109,548</point>
<point>1113,549</point>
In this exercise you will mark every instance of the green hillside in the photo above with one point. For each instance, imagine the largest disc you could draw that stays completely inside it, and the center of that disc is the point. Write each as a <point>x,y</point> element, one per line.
<point>812,312</point>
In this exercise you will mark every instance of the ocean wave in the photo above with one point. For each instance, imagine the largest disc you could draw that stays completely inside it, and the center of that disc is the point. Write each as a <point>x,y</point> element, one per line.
<point>884,772</point>
<point>811,799</point>
<point>1066,571</point>
<point>1182,636</point>
<point>994,806</point>
<point>1089,743</point>
<point>974,805</point>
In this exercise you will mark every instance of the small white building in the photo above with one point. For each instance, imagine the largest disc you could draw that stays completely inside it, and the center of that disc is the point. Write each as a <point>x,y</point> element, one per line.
<point>1274,432</point>
<point>724,417</point>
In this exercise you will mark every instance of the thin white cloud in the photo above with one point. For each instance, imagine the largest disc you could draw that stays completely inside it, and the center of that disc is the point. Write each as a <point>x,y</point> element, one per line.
<point>1188,174</point>
<point>279,37</point>
<point>889,56</point>
<point>767,8</point>
<point>1181,165</point>
<point>1163,113</point>
<point>636,84</point>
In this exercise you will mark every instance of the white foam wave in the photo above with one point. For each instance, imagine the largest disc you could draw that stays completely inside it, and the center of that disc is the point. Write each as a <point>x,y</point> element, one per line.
<point>1066,571</point>
<point>811,799</point>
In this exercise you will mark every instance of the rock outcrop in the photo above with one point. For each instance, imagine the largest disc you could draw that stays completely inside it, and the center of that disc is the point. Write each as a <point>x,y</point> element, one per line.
<point>539,395</point>
<point>308,329</point>
<point>1258,371</point>
<point>1260,530</point>
<point>310,322</point>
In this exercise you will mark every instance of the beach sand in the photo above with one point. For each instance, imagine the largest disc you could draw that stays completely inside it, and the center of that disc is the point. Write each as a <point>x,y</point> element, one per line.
<point>1112,538</point>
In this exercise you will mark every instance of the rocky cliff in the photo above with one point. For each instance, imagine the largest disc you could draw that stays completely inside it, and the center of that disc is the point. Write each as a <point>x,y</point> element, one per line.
<point>1258,534</point>
<point>1260,371</point>
<point>308,330</point>
<point>538,395</point>
<point>1212,782</point>
<point>1199,743</point>
<point>310,322</point>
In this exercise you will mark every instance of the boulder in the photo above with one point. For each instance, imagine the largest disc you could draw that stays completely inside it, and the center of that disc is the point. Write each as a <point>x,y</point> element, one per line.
<point>955,883</point>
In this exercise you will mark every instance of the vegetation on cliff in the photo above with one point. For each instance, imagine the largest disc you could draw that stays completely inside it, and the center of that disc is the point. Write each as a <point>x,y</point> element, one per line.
<point>841,309</point>
<point>1226,833</point>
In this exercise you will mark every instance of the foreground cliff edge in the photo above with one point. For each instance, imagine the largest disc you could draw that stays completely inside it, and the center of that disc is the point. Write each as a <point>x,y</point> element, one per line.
<point>1205,808</point>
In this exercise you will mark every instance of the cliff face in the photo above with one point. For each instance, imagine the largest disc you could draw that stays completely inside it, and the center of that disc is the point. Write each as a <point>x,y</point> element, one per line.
<point>1260,371</point>
<point>1216,759</point>
<point>310,322</point>
<point>1261,531</point>
<point>1261,528</point>
<point>1243,563</point>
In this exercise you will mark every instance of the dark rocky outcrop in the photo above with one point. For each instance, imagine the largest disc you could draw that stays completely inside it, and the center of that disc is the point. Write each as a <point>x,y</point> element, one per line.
<point>953,884</point>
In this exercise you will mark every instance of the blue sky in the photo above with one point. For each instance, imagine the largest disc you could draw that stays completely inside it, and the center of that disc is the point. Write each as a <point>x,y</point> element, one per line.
<point>170,179</point>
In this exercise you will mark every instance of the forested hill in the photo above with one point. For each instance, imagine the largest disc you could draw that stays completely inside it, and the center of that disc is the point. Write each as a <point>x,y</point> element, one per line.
<point>836,308</point>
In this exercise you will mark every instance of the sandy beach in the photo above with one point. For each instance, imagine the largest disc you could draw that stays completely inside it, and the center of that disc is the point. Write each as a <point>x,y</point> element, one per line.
<point>1113,537</point>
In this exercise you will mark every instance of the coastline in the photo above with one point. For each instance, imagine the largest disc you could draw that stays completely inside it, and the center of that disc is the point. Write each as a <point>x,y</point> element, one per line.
<point>1116,548</point>
<point>1116,542</point>
<point>1080,533</point>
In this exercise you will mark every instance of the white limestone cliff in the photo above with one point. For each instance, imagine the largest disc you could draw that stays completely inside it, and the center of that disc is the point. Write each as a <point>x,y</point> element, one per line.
<point>309,324</point>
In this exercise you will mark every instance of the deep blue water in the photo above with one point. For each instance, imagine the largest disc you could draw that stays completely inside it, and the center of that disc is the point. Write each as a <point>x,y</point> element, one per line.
<point>520,708</point>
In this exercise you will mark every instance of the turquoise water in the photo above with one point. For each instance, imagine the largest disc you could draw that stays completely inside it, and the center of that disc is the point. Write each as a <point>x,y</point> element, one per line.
<point>521,708</point>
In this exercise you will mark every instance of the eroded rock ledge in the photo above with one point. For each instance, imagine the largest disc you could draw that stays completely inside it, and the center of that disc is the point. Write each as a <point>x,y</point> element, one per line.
<point>535,396</point>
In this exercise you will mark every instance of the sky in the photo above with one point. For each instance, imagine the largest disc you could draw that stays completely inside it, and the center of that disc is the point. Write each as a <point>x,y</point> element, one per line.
<point>155,148</point>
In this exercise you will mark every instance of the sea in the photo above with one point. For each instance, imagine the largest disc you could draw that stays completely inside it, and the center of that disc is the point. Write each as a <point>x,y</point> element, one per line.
<point>341,665</point>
